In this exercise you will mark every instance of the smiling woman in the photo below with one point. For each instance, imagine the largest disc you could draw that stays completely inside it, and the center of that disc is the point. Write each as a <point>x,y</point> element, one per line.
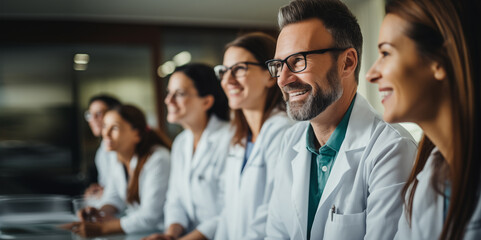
<point>428,71</point>
<point>195,101</point>
<point>260,121</point>
<point>139,178</point>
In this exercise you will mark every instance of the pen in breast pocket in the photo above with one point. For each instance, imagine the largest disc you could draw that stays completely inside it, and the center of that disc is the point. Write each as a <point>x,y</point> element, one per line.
<point>333,210</point>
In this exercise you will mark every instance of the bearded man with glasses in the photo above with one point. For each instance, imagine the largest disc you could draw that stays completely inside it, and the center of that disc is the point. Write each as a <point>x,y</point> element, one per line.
<point>342,169</point>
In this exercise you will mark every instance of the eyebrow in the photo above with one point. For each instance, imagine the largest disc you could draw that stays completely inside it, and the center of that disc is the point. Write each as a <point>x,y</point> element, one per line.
<point>385,43</point>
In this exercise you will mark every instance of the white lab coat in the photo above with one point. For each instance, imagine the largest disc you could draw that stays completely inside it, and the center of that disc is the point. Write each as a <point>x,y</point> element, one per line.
<point>247,195</point>
<point>195,195</point>
<point>364,185</point>
<point>428,210</point>
<point>153,182</point>
<point>102,163</point>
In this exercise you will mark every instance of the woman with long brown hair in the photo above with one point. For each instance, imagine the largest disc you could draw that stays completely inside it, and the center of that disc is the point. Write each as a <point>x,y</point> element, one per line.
<point>139,179</point>
<point>428,72</point>
<point>259,119</point>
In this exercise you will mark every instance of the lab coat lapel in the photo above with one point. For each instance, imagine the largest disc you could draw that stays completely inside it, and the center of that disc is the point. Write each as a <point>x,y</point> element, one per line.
<point>204,145</point>
<point>300,182</point>
<point>357,135</point>
<point>430,222</point>
<point>187,155</point>
<point>236,156</point>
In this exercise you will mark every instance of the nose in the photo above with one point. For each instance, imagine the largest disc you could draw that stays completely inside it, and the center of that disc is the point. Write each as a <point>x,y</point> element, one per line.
<point>285,77</point>
<point>169,98</point>
<point>228,78</point>
<point>106,133</point>
<point>373,74</point>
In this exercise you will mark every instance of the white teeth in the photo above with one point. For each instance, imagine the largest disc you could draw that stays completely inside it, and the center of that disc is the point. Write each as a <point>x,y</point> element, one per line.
<point>296,93</point>
<point>234,91</point>
<point>385,94</point>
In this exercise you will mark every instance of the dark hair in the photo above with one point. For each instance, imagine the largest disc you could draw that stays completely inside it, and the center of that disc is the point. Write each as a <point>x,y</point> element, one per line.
<point>110,101</point>
<point>148,139</point>
<point>336,17</point>
<point>206,83</point>
<point>440,35</point>
<point>263,47</point>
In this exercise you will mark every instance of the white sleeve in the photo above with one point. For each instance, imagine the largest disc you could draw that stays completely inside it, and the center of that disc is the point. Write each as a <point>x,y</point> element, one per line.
<point>209,227</point>
<point>275,229</point>
<point>403,229</point>
<point>153,181</point>
<point>174,209</point>
<point>101,163</point>
<point>391,169</point>
<point>111,195</point>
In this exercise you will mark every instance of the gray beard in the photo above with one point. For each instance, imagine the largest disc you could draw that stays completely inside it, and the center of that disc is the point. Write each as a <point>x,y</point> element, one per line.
<point>314,104</point>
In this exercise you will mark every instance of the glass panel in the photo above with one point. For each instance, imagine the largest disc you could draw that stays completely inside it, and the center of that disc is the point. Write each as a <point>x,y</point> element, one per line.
<point>37,113</point>
<point>45,144</point>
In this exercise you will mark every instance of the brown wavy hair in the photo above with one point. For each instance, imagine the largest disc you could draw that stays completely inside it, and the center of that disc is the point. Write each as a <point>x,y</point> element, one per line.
<point>439,33</point>
<point>263,47</point>
<point>149,138</point>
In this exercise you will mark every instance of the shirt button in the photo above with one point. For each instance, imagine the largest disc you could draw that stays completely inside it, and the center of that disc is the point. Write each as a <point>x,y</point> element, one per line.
<point>324,168</point>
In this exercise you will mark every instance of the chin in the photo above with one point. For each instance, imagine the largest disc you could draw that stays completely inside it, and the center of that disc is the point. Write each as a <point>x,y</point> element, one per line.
<point>391,118</point>
<point>171,120</point>
<point>234,106</point>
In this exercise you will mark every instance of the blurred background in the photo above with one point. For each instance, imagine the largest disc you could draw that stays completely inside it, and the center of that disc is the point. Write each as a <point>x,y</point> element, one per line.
<point>55,55</point>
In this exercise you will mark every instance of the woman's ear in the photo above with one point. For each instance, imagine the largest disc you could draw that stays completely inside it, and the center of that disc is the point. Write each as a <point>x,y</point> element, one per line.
<point>208,102</point>
<point>438,71</point>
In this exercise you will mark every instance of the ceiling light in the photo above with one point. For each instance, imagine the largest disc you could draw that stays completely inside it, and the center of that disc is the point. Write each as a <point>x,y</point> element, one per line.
<point>81,58</point>
<point>182,58</point>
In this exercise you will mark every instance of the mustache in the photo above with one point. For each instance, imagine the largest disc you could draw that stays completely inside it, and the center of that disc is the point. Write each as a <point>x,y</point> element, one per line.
<point>296,86</point>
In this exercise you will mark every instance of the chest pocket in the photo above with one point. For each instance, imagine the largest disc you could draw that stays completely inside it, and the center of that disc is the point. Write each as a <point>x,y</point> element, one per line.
<point>345,226</point>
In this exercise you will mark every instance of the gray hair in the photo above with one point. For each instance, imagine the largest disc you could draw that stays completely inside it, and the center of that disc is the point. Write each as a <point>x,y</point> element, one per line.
<point>336,17</point>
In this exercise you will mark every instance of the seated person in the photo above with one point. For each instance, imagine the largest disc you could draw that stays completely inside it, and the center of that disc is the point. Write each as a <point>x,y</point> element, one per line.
<point>196,101</point>
<point>139,178</point>
<point>98,106</point>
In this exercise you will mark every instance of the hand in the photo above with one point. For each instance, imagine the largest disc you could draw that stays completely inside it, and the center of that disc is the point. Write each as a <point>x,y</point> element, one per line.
<point>94,191</point>
<point>84,229</point>
<point>91,214</point>
<point>158,236</point>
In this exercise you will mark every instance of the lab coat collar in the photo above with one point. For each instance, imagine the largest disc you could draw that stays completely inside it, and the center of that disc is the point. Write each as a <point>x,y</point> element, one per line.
<point>358,133</point>
<point>206,140</point>
<point>357,136</point>
<point>193,160</point>
<point>301,165</point>
<point>260,141</point>
<point>431,203</point>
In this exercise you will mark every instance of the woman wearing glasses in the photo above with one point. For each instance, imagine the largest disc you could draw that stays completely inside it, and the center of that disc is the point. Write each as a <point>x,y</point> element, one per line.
<point>98,105</point>
<point>259,121</point>
<point>195,100</point>
<point>429,73</point>
<point>138,181</point>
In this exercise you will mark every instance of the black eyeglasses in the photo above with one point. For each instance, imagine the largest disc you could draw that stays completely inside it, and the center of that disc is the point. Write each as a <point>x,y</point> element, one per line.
<point>237,70</point>
<point>296,62</point>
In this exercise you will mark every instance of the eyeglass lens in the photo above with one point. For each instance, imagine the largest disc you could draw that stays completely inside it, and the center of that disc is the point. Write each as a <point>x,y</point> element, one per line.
<point>238,70</point>
<point>295,63</point>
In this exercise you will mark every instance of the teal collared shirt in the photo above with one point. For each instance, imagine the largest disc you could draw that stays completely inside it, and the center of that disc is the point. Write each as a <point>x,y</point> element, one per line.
<point>322,160</point>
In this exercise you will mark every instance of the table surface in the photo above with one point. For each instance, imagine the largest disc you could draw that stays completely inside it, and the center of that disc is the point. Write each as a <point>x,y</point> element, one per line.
<point>35,219</point>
